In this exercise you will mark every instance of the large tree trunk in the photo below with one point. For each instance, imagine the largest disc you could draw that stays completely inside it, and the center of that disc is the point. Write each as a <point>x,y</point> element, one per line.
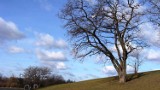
<point>121,70</point>
<point>122,74</point>
<point>122,77</point>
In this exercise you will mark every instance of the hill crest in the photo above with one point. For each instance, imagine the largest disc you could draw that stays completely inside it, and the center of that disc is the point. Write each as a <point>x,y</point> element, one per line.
<point>146,81</point>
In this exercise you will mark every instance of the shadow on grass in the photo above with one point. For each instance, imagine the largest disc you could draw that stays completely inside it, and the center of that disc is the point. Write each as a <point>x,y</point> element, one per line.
<point>134,76</point>
<point>130,77</point>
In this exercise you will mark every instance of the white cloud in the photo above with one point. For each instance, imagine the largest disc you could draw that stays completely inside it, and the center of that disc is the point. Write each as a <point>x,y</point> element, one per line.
<point>51,56</point>
<point>113,48</point>
<point>61,66</point>
<point>9,31</point>
<point>150,33</point>
<point>130,69</point>
<point>153,54</point>
<point>100,59</point>
<point>44,40</point>
<point>155,69</point>
<point>47,41</point>
<point>110,70</point>
<point>137,52</point>
<point>60,44</point>
<point>54,59</point>
<point>15,49</point>
<point>55,65</point>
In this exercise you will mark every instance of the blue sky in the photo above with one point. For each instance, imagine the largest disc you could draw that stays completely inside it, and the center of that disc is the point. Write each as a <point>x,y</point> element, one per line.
<point>31,34</point>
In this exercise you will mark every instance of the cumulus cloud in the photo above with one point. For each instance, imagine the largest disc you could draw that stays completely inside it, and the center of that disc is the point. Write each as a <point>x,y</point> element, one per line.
<point>61,66</point>
<point>51,56</point>
<point>55,65</point>
<point>150,33</point>
<point>54,59</point>
<point>15,49</point>
<point>44,40</point>
<point>60,44</point>
<point>47,41</point>
<point>130,69</point>
<point>153,54</point>
<point>9,31</point>
<point>110,70</point>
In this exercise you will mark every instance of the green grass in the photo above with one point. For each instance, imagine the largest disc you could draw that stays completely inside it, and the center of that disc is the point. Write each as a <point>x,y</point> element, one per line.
<point>147,81</point>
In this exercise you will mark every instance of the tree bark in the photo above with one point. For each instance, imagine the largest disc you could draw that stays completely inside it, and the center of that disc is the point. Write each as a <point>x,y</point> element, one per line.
<point>122,77</point>
<point>121,69</point>
<point>135,70</point>
<point>122,73</point>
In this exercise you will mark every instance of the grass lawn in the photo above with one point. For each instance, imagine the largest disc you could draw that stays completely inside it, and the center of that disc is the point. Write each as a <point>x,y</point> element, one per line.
<point>147,81</point>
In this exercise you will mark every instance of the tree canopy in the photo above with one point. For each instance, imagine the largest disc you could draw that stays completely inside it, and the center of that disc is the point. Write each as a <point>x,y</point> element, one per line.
<point>105,27</point>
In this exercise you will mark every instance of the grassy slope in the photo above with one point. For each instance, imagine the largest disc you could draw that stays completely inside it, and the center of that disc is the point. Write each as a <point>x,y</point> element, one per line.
<point>148,81</point>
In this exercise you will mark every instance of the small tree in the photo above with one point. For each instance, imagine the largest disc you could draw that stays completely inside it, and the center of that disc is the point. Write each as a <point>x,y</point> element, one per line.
<point>137,61</point>
<point>95,28</point>
<point>34,74</point>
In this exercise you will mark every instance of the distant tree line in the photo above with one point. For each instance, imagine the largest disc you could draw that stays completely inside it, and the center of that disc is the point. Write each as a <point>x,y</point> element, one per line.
<point>41,76</point>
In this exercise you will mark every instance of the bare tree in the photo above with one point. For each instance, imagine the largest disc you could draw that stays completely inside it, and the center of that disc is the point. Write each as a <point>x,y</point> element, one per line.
<point>155,11</point>
<point>97,27</point>
<point>137,61</point>
<point>33,74</point>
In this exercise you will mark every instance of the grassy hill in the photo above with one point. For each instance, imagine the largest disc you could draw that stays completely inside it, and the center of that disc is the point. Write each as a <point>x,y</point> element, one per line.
<point>146,81</point>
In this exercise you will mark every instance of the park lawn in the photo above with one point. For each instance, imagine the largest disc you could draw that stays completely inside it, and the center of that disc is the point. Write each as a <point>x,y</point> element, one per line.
<point>146,81</point>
